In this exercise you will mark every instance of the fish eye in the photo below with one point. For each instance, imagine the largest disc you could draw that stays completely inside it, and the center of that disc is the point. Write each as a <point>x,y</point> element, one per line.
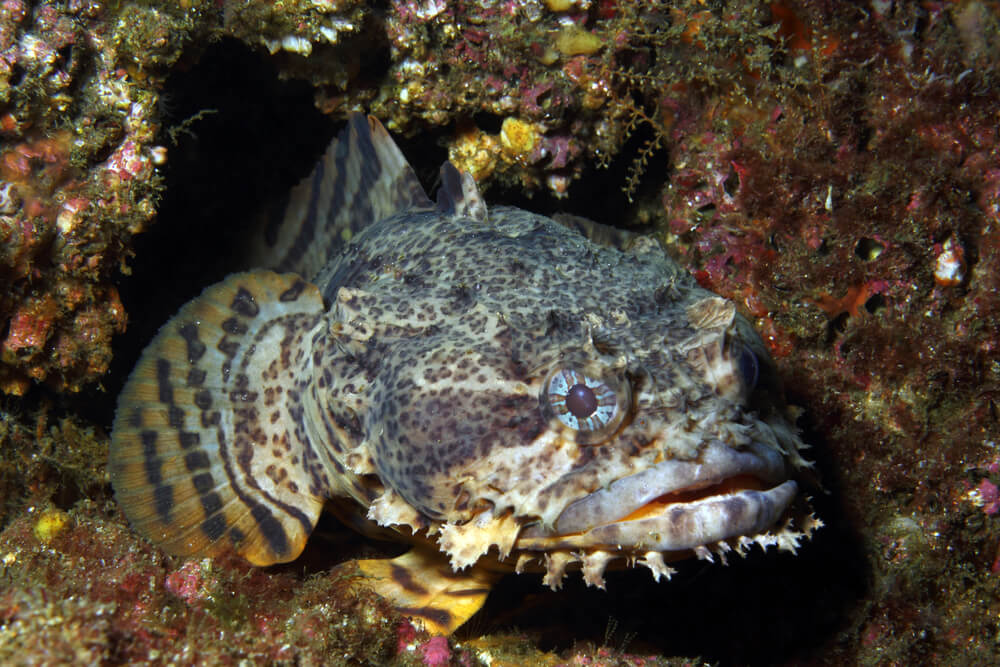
<point>749,367</point>
<point>591,406</point>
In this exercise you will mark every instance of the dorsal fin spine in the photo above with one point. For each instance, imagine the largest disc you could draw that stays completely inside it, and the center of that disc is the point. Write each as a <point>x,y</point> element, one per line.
<point>459,195</point>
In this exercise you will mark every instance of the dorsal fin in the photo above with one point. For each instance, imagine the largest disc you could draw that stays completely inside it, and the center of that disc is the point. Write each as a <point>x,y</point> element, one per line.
<point>459,195</point>
<point>595,232</point>
<point>361,179</point>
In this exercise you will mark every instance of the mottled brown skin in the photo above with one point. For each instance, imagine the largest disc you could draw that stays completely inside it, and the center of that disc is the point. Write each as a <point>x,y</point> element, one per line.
<point>417,369</point>
<point>517,293</point>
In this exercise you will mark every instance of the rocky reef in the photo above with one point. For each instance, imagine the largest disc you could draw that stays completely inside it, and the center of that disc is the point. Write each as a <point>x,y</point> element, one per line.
<point>833,168</point>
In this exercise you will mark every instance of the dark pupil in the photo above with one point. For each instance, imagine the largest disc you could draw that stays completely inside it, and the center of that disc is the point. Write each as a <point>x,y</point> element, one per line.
<point>580,401</point>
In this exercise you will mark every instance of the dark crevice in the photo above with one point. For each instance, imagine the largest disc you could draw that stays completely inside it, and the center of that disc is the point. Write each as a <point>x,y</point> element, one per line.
<point>237,137</point>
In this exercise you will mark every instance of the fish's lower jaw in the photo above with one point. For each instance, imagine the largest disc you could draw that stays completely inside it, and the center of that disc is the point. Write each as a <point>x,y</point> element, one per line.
<point>707,529</point>
<point>593,563</point>
<point>674,523</point>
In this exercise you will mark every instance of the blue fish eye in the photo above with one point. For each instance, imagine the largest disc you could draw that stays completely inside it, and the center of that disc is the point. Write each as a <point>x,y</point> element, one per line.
<point>581,402</point>
<point>749,367</point>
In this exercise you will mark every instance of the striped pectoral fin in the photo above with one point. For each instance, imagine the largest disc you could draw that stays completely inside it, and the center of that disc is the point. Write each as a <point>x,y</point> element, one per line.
<point>421,585</point>
<point>209,451</point>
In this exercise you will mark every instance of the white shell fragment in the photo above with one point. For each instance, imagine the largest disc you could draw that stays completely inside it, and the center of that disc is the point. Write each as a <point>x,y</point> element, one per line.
<point>949,267</point>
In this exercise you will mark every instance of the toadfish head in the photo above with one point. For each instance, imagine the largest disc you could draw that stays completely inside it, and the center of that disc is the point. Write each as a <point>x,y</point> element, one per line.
<point>575,403</point>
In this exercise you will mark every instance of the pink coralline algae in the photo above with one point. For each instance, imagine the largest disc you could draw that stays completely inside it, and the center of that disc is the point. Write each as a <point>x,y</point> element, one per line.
<point>406,634</point>
<point>128,162</point>
<point>187,583</point>
<point>436,652</point>
<point>75,184</point>
<point>30,327</point>
<point>989,495</point>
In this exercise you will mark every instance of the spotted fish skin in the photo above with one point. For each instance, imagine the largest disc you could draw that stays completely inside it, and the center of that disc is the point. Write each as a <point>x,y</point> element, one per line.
<point>475,379</point>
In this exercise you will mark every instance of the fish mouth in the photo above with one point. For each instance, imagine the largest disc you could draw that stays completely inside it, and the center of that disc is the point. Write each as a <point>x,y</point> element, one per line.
<point>676,505</point>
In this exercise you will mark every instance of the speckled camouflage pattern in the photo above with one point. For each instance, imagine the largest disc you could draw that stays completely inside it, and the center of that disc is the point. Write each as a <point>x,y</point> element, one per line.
<point>415,374</point>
